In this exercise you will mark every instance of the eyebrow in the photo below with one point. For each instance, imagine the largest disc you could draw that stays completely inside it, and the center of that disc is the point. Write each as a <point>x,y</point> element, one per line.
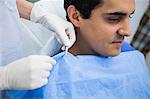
<point>119,13</point>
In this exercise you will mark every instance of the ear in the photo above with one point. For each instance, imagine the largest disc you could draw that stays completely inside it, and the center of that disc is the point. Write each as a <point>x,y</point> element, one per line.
<point>74,15</point>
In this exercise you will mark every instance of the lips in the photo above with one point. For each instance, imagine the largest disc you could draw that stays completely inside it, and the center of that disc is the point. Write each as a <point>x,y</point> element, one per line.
<point>118,41</point>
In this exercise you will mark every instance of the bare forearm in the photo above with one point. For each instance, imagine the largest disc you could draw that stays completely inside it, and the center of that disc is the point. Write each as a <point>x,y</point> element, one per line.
<point>24,8</point>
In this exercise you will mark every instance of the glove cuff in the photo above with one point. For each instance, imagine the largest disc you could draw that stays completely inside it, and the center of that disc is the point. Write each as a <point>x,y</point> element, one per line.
<point>37,13</point>
<point>3,78</point>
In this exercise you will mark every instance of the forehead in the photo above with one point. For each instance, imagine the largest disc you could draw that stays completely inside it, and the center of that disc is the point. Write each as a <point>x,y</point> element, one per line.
<point>117,5</point>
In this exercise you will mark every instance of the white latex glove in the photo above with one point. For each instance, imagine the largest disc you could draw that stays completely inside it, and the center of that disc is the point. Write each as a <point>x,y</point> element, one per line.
<point>27,73</point>
<point>64,30</point>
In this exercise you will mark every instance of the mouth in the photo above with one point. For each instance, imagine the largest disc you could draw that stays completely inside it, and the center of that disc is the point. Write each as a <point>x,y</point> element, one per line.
<point>118,39</point>
<point>118,42</point>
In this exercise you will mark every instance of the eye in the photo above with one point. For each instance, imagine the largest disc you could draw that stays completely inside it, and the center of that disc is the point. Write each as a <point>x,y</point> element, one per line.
<point>130,16</point>
<point>114,19</point>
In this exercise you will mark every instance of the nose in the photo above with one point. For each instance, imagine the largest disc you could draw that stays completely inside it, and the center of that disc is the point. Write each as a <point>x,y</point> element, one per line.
<point>125,29</point>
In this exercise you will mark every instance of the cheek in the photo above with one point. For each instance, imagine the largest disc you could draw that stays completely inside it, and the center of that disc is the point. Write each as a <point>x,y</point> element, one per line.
<point>98,32</point>
<point>91,33</point>
<point>94,37</point>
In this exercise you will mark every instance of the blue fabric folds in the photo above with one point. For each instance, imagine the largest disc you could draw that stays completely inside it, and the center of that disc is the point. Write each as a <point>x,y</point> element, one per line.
<point>94,77</point>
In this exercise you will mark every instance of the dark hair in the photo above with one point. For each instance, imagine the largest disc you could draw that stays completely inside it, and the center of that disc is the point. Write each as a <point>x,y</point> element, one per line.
<point>83,6</point>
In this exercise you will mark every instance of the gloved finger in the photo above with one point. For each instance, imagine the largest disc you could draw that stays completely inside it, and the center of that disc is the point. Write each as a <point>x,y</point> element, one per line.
<point>42,67</point>
<point>47,67</point>
<point>71,34</point>
<point>50,60</point>
<point>44,74</point>
<point>42,58</point>
<point>38,83</point>
<point>64,38</point>
<point>63,48</point>
<point>43,82</point>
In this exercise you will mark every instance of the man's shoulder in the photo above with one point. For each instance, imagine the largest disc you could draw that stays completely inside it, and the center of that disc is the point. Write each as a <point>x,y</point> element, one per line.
<point>135,58</point>
<point>133,53</point>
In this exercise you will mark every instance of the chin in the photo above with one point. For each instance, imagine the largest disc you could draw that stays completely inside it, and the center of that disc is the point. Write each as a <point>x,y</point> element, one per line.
<point>109,53</point>
<point>115,53</point>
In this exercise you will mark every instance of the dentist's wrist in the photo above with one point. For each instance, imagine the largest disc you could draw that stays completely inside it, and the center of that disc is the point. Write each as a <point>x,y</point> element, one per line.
<point>24,8</point>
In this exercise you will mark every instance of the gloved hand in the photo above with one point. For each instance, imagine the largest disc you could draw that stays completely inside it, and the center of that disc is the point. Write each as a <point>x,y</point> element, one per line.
<point>64,30</point>
<point>27,73</point>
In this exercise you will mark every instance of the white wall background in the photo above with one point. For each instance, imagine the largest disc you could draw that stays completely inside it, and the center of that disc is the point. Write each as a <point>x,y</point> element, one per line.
<point>141,6</point>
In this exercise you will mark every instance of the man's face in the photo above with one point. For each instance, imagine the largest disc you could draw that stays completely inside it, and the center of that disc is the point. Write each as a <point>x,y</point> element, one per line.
<point>104,32</point>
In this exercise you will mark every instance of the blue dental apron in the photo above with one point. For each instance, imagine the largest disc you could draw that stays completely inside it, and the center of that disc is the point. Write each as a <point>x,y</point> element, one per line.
<point>94,77</point>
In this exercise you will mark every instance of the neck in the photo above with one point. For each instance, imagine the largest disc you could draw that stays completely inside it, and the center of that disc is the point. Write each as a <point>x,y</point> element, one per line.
<point>80,47</point>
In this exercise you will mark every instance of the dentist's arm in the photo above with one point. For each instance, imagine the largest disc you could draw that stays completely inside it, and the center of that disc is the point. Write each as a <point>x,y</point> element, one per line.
<point>64,30</point>
<point>33,71</point>
<point>27,73</point>
<point>24,8</point>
